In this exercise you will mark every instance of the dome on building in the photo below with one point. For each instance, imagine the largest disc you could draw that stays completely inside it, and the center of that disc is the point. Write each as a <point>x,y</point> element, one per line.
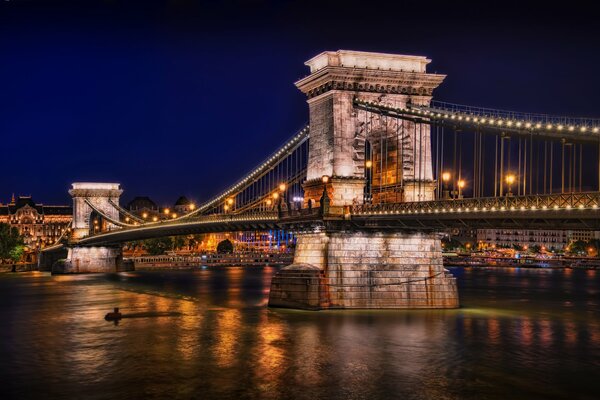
<point>140,203</point>
<point>23,201</point>
<point>182,201</point>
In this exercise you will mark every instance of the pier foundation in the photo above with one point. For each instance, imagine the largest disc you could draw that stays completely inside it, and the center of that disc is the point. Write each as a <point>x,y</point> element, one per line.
<point>92,260</point>
<point>365,270</point>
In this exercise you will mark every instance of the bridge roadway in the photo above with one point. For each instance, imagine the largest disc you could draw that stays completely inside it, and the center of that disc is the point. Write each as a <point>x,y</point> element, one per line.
<point>580,211</point>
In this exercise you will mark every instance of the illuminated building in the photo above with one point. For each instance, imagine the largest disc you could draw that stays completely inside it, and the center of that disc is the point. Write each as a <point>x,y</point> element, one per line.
<point>40,225</point>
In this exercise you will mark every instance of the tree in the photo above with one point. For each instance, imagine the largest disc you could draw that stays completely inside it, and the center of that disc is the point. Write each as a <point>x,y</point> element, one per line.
<point>178,242</point>
<point>578,247</point>
<point>158,246</point>
<point>11,243</point>
<point>451,244</point>
<point>536,248</point>
<point>225,246</point>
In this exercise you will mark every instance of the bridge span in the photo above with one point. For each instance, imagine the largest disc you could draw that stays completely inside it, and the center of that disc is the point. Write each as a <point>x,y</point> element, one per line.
<point>372,182</point>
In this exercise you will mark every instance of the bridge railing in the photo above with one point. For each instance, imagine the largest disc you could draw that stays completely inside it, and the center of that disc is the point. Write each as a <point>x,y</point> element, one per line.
<point>511,115</point>
<point>201,219</point>
<point>582,200</point>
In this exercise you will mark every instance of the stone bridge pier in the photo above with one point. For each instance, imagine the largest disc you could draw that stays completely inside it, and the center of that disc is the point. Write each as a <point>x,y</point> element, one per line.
<point>93,208</point>
<point>340,266</point>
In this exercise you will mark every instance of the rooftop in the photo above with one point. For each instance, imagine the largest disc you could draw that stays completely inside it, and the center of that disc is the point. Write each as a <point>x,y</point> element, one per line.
<point>363,59</point>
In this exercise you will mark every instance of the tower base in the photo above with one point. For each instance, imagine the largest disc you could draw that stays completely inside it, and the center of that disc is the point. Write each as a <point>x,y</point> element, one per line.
<point>365,270</point>
<point>101,259</point>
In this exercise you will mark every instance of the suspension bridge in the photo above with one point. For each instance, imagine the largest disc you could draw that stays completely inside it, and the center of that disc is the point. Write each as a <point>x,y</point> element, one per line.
<point>370,184</point>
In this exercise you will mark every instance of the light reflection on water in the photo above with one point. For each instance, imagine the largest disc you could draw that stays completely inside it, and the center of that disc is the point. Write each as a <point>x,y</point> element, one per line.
<point>521,333</point>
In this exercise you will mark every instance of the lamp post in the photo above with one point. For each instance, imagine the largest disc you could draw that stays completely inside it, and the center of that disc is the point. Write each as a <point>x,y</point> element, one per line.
<point>461,186</point>
<point>445,180</point>
<point>368,175</point>
<point>510,179</point>
<point>325,200</point>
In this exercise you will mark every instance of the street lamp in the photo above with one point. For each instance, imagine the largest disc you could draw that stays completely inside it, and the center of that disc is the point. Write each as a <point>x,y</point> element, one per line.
<point>282,187</point>
<point>461,185</point>
<point>445,180</point>
<point>369,179</point>
<point>510,179</point>
<point>325,200</point>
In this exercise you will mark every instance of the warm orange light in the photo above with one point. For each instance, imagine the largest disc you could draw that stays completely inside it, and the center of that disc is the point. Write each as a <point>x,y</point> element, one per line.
<point>369,164</point>
<point>325,179</point>
<point>145,215</point>
<point>192,206</point>
<point>167,211</point>
<point>446,176</point>
<point>275,196</point>
<point>461,184</point>
<point>126,219</point>
<point>230,201</point>
<point>282,187</point>
<point>154,219</point>
<point>174,215</point>
<point>225,207</point>
<point>269,202</point>
<point>510,179</point>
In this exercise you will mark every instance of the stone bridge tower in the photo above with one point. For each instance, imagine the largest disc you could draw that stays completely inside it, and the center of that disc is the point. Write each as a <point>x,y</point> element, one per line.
<point>338,131</point>
<point>100,195</point>
<point>87,198</point>
<point>339,265</point>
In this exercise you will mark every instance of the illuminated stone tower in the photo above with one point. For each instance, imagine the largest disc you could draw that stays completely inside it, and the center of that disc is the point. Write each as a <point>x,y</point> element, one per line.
<point>338,131</point>
<point>341,266</point>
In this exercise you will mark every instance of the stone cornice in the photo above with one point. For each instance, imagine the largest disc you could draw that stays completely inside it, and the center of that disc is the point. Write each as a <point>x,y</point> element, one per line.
<point>95,192</point>
<point>366,80</point>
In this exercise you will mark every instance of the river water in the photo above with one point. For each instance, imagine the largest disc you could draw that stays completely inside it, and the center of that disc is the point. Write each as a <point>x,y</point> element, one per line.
<point>204,334</point>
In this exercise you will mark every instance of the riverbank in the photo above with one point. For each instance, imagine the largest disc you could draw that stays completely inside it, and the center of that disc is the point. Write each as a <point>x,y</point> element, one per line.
<point>19,267</point>
<point>454,260</point>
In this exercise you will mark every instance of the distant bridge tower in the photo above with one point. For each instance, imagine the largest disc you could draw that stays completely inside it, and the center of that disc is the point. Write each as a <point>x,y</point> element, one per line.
<point>93,208</point>
<point>89,195</point>
<point>338,131</point>
<point>341,266</point>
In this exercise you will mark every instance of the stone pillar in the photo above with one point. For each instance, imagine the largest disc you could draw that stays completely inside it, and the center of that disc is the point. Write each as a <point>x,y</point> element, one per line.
<point>365,270</point>
<point>98,194</point>
<point>338,130</point>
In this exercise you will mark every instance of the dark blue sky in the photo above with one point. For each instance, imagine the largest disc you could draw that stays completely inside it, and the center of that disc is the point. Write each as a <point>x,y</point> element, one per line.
<point>182,97</point>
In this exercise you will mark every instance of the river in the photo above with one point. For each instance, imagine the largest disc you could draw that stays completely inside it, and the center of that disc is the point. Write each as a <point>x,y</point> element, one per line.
<point>207,334</point>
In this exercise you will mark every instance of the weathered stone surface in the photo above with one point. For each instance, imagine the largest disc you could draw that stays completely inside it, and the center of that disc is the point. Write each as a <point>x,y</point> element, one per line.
<point>365,270</point>
<point>298,286</point>
<point>91,259</point>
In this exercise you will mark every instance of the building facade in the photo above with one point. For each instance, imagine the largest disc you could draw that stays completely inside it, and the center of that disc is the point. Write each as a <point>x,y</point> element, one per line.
<point>547,239</point>
<point>40,225</point>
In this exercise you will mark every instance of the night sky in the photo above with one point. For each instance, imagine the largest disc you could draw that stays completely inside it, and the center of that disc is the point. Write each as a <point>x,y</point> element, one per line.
<point>181,98</point>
